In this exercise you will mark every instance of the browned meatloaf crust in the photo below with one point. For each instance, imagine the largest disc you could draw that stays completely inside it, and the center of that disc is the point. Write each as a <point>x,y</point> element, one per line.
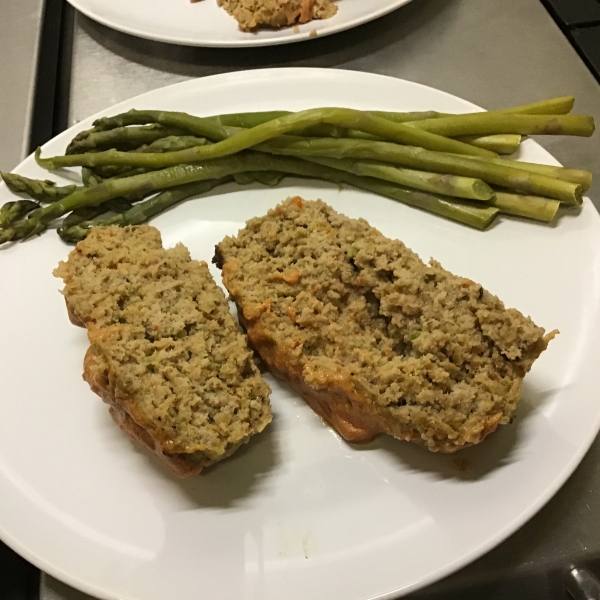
<point>374,339</point>
<point>166,353</point>
<point>251,14</point>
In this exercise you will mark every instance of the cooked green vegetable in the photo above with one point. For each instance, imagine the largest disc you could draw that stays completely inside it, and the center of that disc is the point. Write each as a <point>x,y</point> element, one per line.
<point>580,176</point>
<point>88,177</point>
<point>38,189</point>
<point>123,138</point>
<point>447,185</point>
<point>488,123</point>
<point>208,127</point>
<point>532,207</point>
<point>141,212</point>
<point>554,106</point>
<point>139,163</point>
<point>11,211</point>
<point>167,144</point>
<point>510,177</point>
<point>501,143</point>
<point>269,178</point>
<point>345,117</point>
<point>39,219</point>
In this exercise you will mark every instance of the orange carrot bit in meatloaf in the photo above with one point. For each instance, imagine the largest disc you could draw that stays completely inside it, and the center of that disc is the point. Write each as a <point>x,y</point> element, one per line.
<point>166,353</point>
<point>372,337</point>
<point>251,14</point>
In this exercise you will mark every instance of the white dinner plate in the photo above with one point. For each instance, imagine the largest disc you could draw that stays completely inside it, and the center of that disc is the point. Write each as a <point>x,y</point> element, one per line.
<point>207,24</point>
<point>297,513</point>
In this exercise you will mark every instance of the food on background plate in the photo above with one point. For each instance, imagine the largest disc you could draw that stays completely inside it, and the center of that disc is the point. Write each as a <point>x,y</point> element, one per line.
<point>371,337</point>
<point>252,14</point>
<point>444,164</point>
<point>165,352</point>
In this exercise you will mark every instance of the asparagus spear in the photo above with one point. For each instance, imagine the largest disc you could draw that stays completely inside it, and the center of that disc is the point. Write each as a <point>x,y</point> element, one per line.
<point>141,212</point>
<point>253,119</point>
<point>86,213</point>
<point>579,176</point>
<point>269,178</point>
<point>417,158</point>
<point>121,137</point>
<point>501,143</point>
<point>167,144</point>
<point>212,127</point>
<point>506,144</point>
<point>47,191</point>
<point>11,211</point>
<point>88,177</point>
<point>244,178</point>
<point>173,143</point>
<point>532,207</point>
<point>40,190</point>
<point>484,123</point>
<point>447,185</point>
<point>118,205</point>
<point>249,120</point>
<point>208,127</point>
<point>469,213</point>
<point>215,169</point>
<point>82,215</point>
<point>344,117</point>
<point>553,106</point>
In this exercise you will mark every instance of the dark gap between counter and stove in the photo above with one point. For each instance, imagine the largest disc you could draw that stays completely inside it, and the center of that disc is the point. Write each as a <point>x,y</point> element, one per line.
<point>50,112</point>
<point>19,580</point>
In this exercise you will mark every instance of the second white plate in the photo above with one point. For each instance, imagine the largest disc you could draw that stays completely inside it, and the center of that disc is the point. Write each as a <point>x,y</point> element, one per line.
<point>206,24</point>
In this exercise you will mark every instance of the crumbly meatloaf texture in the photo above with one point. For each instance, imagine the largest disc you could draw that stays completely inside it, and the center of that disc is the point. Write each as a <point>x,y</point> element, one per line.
<point>372,337</point>
<point>251,14</point>
<point>166,353</point>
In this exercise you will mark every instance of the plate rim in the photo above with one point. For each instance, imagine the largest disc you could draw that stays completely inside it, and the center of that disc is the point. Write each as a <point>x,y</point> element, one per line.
<point>183,40</point>
<point>66,577</point>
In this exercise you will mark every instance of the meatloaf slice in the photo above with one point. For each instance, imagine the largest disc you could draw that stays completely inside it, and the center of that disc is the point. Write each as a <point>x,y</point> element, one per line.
<point>166,353</point>
<point>374,339</point>
<point>251,14</point>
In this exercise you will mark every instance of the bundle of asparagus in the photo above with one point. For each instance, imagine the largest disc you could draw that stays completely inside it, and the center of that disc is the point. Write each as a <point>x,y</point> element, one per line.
<point>137,164</point>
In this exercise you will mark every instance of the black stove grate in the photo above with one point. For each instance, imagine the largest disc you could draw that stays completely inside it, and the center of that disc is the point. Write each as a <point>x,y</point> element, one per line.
<point>580,22</point>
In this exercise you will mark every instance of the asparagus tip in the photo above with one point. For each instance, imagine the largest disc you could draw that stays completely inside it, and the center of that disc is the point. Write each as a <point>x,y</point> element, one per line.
<point>6,235</point>
<point>37,155</point>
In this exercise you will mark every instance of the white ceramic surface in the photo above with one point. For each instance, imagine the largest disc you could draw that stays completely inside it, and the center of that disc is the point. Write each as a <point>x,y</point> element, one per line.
<point>297,513</point>
<point>206,24</point>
